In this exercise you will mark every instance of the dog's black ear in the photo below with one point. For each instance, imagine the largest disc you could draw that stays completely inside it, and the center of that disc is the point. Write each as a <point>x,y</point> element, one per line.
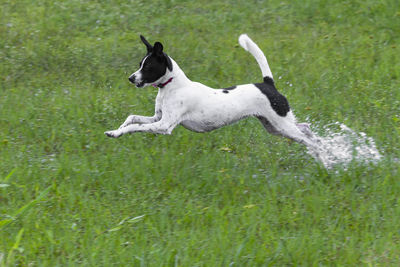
<point>158,49</point>
<point>148,45</point>
<point>169,62</point>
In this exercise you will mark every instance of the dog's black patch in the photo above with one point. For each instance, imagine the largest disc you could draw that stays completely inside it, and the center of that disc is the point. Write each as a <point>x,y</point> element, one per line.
<point>269,80</point>
<point>279,103</point>
<point>155,63</point>
<point>226,90</point>
<point>153,68</point>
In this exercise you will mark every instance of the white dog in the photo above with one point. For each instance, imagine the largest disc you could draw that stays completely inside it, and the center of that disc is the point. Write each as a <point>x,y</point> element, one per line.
<point>200,108</point>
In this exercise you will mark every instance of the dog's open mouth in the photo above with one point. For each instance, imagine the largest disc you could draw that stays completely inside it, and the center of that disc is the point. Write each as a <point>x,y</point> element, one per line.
<point>141,84</point>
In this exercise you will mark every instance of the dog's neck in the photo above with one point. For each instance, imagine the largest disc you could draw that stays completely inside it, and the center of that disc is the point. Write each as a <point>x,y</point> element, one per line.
<point>173,79</point>
<point>162,85</point>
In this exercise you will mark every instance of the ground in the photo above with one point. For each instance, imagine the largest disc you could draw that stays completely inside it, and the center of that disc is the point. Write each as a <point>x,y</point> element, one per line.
<point>237,196</point>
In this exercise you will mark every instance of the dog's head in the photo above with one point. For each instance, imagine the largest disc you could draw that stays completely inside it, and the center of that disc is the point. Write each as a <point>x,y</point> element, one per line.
<point>153,66</point>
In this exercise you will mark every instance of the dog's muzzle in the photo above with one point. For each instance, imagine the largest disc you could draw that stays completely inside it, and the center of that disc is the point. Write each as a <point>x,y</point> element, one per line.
<point>133,80</point>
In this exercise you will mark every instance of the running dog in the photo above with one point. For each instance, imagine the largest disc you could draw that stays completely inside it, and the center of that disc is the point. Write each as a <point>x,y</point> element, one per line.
<point>200,108</point>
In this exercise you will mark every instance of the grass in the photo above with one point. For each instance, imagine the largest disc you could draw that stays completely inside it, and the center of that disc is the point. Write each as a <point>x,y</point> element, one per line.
<point>234,197</point>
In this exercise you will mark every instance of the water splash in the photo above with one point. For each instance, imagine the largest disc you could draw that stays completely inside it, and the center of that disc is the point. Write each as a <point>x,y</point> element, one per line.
<point>340,145</point>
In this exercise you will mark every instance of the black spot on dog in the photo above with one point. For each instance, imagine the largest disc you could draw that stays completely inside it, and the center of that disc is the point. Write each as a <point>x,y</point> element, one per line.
<point>226,90</point>
<point>278,102</point>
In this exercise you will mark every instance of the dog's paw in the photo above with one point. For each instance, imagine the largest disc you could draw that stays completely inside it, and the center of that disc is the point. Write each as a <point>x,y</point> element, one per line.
<point>114,134</point>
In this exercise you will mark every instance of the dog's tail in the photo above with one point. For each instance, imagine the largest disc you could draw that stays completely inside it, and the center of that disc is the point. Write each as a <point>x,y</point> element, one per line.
<point>253,48</point>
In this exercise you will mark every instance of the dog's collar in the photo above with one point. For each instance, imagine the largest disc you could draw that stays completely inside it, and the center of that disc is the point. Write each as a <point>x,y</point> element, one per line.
<point>161,85</point>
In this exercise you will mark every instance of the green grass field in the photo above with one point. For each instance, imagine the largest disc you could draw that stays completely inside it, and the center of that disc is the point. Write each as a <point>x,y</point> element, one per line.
<point>70,196</point>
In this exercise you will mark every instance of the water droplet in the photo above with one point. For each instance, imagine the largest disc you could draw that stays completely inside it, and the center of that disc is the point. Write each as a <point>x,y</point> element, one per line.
<point>343,146</point>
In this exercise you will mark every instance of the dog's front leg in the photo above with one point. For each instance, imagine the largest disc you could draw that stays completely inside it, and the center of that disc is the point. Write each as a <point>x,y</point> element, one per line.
<point>132,119</point>
<point>162,126</point>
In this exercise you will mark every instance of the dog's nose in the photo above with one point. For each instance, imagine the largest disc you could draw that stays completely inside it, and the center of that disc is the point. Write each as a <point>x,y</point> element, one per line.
<point>132,79</point>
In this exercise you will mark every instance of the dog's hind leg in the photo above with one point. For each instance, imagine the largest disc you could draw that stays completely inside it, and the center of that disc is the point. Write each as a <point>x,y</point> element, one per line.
<point>292,131</point>
<point>302,128</point>
<point>305,128</point>
<point>268,126</point>
<point>301,134</point>
<point>296,135</point>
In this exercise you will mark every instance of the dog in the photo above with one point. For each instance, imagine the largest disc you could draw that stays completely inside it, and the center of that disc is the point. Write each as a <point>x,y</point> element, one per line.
<point>200,108</point>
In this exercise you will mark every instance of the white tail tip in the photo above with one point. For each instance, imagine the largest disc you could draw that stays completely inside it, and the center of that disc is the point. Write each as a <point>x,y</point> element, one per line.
<point>243,41</point>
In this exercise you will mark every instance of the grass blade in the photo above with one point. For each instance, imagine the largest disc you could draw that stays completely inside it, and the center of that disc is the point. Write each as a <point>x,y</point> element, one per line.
<point>9,175</point>
<point>15,246</point>
<point>5,222</point>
